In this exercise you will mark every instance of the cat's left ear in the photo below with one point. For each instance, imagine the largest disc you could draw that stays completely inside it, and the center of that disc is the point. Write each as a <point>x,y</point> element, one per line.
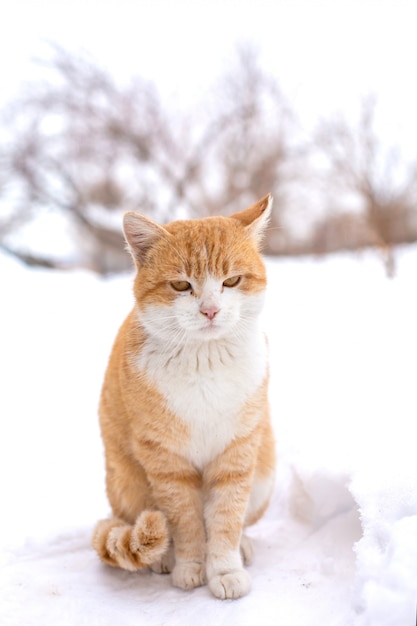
<point>255,219</point>
<point>141,235</point>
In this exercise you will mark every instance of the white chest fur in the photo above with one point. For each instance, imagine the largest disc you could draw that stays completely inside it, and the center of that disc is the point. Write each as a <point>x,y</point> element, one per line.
<point>206,384</point>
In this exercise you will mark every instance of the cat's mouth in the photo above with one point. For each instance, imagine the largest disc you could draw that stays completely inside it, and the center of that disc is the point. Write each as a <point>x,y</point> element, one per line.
<point>211,325</point>
<point>211,328</point>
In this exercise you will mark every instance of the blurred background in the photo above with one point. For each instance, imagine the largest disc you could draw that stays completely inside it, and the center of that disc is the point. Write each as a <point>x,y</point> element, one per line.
<point>186,109</point>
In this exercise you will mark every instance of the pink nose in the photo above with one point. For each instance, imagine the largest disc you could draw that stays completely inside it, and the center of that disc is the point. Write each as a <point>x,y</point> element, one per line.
<point>209,312</point>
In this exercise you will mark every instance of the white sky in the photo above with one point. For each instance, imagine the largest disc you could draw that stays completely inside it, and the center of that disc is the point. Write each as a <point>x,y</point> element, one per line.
<point>326,54</point>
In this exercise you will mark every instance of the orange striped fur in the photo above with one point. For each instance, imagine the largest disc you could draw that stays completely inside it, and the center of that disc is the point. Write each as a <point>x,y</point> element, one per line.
<point>184,409</point>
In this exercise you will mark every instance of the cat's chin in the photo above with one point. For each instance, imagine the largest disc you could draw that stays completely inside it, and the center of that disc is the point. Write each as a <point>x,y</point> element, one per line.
<point>211,331</point>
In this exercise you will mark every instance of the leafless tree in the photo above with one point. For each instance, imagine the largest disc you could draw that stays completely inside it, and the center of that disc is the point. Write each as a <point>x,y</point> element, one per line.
<point>249,147</point>
<point>381,185</point>
<point>78,143</point>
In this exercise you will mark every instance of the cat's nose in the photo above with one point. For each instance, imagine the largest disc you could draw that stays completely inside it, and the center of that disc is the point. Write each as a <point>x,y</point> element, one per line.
<point>209,311</point>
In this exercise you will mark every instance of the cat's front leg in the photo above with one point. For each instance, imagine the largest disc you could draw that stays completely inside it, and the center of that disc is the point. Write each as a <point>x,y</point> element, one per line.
<point>177,491</point>
<point>182,504</point>
<point>228,482</point>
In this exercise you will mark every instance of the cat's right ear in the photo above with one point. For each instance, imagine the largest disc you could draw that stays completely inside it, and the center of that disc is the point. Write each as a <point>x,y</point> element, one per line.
<point>141,234</point>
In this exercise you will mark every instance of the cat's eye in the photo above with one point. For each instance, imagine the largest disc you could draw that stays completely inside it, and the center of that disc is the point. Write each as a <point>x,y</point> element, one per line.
<point>180,285</point>
<point>233,281</point>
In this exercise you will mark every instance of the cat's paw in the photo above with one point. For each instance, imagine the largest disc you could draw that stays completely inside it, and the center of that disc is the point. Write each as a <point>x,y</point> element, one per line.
<point>246,549</point>
<point>231,585</point>
<point>189,574</point>
<point>166,563</point>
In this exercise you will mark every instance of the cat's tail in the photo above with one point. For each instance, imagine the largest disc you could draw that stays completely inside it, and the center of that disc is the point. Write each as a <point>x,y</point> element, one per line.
<point>132,547</point>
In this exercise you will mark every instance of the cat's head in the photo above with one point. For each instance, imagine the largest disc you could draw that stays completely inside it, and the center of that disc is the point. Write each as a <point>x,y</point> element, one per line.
<point>199,279</point>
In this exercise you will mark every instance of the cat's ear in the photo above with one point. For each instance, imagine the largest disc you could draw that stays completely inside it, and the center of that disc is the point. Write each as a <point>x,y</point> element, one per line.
<point>255,219</point>
<point>141,234</point>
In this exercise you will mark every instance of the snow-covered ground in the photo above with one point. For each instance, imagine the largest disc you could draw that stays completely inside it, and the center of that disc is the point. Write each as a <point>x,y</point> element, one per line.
<point>338,545</point>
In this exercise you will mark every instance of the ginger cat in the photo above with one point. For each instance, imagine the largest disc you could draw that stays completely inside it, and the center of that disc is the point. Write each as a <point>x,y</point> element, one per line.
<point>184,411</point>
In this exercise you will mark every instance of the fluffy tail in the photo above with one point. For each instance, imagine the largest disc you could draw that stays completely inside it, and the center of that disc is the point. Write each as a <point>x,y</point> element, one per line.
<point>132,547</point>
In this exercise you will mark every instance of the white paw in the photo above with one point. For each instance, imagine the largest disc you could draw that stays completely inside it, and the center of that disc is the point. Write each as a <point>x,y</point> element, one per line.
<point>232,585</point>
<point>188,575</point>
<point>166,563</point>
<point>246,549</point>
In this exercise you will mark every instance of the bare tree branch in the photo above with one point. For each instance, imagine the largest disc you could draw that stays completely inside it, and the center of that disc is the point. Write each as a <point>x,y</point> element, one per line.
<point>79,144</point>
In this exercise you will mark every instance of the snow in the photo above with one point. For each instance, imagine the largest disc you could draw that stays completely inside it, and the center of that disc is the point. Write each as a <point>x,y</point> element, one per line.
<point>338,544</point>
